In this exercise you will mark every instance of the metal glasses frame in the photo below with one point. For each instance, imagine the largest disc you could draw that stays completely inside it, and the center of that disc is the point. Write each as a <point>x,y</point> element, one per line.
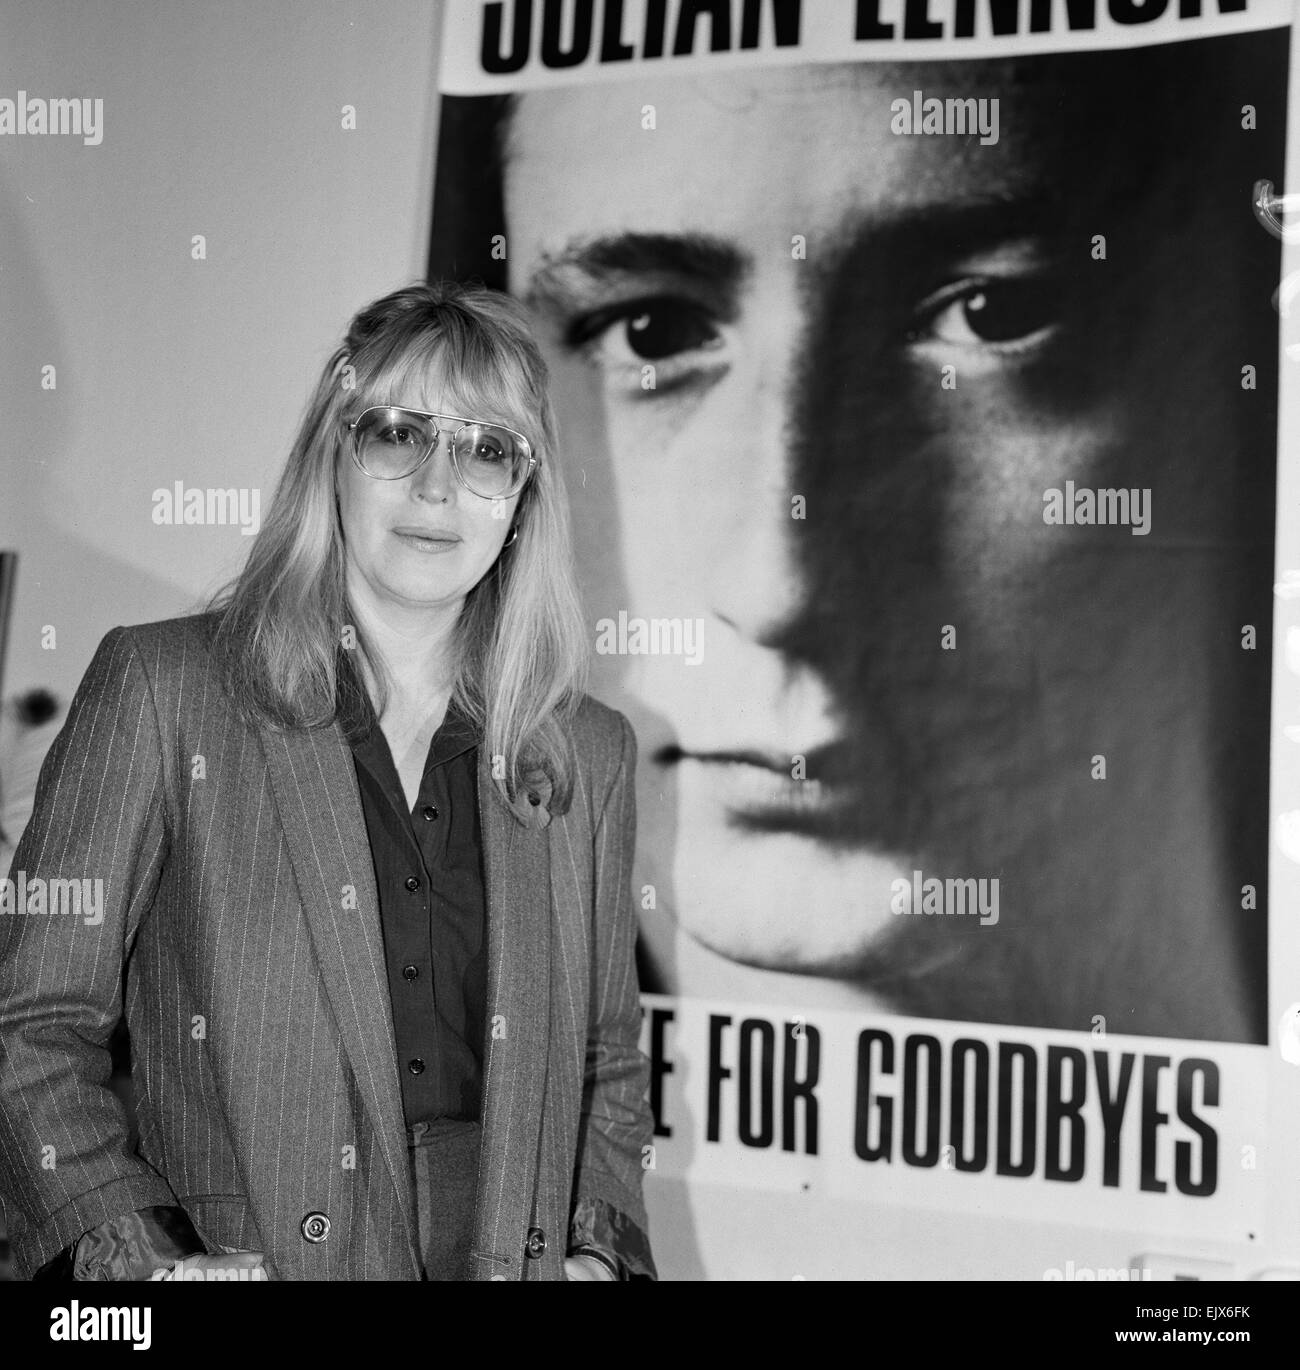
<point>533,461</point>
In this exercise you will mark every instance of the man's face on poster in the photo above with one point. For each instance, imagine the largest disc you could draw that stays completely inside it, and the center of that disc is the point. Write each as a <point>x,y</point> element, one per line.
<point>833,369</point>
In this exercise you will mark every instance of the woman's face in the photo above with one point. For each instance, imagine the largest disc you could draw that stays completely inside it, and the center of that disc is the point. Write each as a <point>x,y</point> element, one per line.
<point>424,541</point>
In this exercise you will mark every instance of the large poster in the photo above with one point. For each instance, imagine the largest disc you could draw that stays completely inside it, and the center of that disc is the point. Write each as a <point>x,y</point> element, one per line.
<point>917,367</point>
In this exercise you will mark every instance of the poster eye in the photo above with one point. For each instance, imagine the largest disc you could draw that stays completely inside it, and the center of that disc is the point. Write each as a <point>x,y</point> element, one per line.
<point>987,312</point>
<point>649,331</point>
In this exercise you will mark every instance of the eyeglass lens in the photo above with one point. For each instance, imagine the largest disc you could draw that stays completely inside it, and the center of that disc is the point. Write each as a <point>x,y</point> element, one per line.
<point>391,443</point>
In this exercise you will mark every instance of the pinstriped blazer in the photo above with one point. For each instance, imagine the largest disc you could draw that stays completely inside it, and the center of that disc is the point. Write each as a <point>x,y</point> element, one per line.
<point>240,927</point>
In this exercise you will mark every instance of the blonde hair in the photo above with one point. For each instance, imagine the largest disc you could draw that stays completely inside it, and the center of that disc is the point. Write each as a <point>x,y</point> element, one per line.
<point>521,655</point>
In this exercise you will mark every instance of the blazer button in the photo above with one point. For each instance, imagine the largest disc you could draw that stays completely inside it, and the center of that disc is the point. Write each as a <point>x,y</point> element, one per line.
<point>315,1227</point>
<point>535,1245</point>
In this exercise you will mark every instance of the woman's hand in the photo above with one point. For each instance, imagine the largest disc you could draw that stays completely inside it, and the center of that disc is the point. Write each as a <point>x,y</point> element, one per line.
<point>586,1268</point>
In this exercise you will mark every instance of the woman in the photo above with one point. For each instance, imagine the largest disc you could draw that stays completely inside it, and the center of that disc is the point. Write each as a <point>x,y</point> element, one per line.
<point>364,847</point>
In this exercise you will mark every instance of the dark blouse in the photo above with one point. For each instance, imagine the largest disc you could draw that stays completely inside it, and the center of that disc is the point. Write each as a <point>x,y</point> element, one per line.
<point>432,906</point>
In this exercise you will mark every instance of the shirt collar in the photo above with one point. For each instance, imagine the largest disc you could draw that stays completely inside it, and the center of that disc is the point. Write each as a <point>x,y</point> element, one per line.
<point>455,736</point>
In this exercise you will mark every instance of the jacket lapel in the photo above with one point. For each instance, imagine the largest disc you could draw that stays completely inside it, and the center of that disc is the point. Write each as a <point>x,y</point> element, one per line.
<point>517,867</point>
<point>316,793</point>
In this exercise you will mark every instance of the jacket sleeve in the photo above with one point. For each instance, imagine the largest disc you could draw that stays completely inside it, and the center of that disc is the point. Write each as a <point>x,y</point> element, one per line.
<point>608,1215</point>
<point>133,1246</point>
<point>83,876</point>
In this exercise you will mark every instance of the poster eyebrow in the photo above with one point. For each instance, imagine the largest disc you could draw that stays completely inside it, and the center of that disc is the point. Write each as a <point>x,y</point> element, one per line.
<point>586,264</point>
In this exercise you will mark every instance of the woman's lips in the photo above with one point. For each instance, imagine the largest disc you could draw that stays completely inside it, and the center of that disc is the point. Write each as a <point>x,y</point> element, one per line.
<point>429,542</point>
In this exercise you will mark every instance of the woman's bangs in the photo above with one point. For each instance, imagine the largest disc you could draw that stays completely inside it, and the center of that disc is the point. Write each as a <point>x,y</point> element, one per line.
<point>418,378</point>
<point>400,377</point>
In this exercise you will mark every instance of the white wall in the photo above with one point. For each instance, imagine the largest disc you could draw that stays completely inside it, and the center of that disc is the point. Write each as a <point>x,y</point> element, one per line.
<point>222,120</point>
